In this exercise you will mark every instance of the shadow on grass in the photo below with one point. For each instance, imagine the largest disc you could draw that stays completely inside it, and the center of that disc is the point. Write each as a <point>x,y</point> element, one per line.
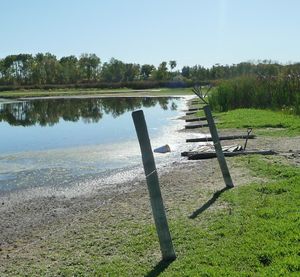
<point>159,268</point>
<point>210,202</point>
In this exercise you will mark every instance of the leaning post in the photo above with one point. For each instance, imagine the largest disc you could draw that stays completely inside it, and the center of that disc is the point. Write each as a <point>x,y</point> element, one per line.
<point>218,147</point>
<point>156,200</point>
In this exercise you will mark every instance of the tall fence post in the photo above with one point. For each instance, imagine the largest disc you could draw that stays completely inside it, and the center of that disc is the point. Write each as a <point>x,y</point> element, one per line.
<point>156,200</point>
<point>218,147</point>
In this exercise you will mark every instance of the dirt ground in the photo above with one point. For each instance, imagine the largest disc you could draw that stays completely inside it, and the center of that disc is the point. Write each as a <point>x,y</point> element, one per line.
<point>25,224</point>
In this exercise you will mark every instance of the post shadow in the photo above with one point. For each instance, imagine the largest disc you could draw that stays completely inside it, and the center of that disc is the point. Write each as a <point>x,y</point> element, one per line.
<point>159,268</point>
<point>210,202</point>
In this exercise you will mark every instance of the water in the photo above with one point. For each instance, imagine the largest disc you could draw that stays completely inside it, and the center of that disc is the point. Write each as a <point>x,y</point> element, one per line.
<point>60,144</point>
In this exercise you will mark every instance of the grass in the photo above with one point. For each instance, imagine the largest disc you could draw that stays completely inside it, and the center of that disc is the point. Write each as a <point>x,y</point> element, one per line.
<point>72,92</point>
<point>264,122</point>
<point>257,234</point>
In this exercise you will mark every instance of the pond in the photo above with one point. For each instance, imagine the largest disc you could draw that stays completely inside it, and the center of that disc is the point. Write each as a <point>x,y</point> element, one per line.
<point>82,142</point>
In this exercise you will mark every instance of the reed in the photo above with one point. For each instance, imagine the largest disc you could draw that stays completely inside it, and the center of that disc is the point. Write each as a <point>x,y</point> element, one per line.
<point>279,93</point>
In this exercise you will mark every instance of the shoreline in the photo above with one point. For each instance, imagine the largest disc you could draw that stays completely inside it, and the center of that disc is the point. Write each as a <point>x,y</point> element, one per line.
<point>36,209</point>
<point>31,227</point>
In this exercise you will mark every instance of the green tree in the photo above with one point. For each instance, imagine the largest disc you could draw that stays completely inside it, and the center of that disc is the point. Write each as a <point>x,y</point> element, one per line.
<point>146,71</point>
<point>45,69</point>
<point>69,69</point>
<point>113,71</point>
<point>7,70</point>
<point>186,72</point>
<point>172,64</point>
<point>89,67</point>
<point>131,72</point>
<point>198,73</point>
<point>161,74</point>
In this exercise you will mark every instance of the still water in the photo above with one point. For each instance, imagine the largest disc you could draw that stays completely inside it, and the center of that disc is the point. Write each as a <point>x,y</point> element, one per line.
<point>60,143</point>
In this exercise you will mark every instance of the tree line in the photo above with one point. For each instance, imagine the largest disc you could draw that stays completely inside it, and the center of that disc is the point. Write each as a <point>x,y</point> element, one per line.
<point>45,69</point>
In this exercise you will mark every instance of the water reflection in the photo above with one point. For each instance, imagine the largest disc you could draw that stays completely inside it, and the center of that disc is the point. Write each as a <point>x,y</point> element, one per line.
<point>58,149</point>
<point>49,112</point>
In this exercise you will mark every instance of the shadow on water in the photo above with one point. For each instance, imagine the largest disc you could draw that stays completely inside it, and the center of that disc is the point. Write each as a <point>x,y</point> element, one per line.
<point>48,112</point>
<point>210,202</point>
<point>159,268</point>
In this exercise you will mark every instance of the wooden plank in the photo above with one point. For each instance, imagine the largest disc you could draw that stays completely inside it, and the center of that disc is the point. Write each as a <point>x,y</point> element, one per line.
<point>196,102</point>
<point>194,126</point>
<point>211,155</point>
<point>190,113</point>
<point>193,109</point>
<point>221,138</point>
<point>195,119</point>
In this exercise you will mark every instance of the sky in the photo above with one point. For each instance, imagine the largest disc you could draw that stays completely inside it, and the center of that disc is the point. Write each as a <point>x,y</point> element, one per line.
<point>203,32</point>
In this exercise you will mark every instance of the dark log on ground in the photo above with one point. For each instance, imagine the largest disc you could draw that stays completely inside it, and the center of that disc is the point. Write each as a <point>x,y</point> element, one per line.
<point>195,102</point>
<point>211,155</point>
<point>190,113</point>
<point>195,119</point>
<point>194,126</point>
<point>221,138</point>
<point>193,112</point>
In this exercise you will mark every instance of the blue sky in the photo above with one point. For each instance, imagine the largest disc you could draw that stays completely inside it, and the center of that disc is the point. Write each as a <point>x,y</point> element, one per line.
<point>191,32</point>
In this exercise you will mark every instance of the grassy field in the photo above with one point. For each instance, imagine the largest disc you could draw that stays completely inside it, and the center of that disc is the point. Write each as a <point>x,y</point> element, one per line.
<point>110,92</point>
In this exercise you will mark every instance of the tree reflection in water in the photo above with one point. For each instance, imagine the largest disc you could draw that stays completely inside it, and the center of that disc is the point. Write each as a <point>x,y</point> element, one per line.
<point>48,112</point>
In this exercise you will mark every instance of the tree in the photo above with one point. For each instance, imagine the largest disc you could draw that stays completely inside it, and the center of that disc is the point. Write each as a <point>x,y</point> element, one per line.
<point>8,69</point>
<point>172,64</point>
<point>1,71</point>
<point>45,69</point>
<point>146,71</point>
<point>89,67</point>
<point>69,69</point>
<point>25,65</point>
<point>131,72</point>
<point>16,69</point>
<point>185,71</point>
<point>161,73</point>
<point>198,73</point>
<point>113,71</point>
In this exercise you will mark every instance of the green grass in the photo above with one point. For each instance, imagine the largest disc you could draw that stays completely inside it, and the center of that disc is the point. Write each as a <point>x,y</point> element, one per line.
<point>264,122</point>
<point>70,92</point>
<point>256,234</point>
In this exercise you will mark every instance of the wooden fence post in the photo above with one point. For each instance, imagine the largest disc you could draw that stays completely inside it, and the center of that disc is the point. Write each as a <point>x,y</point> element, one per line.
<point>156,200</point>
<point>218,147</point>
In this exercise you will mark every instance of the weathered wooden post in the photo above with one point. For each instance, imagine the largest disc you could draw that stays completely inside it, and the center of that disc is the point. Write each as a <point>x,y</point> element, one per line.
<point>157,205</point>
<point>218,147</point>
